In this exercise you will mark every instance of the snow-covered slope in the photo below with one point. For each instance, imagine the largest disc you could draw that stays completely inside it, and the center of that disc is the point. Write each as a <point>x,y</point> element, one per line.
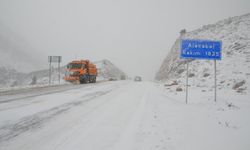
<point>10,77</point>
<point>42,76</point>
<point>107,71</point>
<point>16,57</point>
<point>233,71</point>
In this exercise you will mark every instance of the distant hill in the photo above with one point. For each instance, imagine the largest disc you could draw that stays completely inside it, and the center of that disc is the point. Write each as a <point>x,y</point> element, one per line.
<point>108,71</point>
<point>233,70</point>
<point>12,78</point>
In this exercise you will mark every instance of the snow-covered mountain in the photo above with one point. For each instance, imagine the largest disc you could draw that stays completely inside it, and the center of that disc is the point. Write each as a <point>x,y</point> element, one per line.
<point>108,71</point>
<point>233,71</point>
<point>42,76</point>
<point>10,77</point>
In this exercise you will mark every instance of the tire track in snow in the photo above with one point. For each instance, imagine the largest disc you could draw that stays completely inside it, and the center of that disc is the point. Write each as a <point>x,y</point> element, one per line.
<point>127,140</point>
<point>36,121</point>
<point>39,91</point>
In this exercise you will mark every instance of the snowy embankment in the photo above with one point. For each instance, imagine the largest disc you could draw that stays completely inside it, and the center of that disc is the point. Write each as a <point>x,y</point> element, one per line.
<point>108,71</point>
<point>203,123</point>
<point>233,71</point>
<point>125,115</point>
<point>206,124</point>
<point>11,79</point>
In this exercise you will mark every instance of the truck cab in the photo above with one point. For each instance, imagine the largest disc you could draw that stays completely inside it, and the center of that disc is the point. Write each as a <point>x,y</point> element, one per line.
<point>82,71</point>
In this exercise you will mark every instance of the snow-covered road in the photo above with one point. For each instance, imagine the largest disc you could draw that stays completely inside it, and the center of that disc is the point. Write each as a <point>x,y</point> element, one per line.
<point>121,115</point>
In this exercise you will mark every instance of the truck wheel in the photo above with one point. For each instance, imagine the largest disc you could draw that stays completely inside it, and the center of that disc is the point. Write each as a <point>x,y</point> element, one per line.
<point>90,79</point>
<point>83,80</point>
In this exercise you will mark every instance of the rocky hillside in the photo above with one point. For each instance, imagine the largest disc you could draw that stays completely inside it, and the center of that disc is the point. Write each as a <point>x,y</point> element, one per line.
<point>108,71</point>
<point>10,77</point>
<point>233,71</point>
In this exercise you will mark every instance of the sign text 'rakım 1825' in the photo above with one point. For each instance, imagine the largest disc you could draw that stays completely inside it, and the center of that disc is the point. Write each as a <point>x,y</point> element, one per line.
<point>200,49</point>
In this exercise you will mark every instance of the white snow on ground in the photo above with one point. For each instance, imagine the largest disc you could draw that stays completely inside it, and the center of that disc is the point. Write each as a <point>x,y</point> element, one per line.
<point>205,124</point>
<point>126,115</point>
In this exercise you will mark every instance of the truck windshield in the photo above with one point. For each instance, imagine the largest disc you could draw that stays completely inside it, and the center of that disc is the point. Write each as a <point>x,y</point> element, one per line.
<point>74,66</point>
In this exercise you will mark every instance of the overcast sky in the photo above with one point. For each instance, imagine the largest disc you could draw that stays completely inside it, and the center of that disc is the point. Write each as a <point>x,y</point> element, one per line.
<point>135,35</point>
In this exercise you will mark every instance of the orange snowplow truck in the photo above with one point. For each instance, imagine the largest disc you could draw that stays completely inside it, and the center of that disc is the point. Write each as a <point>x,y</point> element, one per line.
<point>82,71</point>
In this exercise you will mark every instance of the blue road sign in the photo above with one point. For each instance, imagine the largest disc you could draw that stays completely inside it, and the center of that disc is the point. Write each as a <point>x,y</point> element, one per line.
<point>201,49</point>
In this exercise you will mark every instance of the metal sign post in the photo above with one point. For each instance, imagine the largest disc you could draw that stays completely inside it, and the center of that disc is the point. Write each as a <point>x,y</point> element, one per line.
<point>56,59</point>
<point>49,70</point>
<point>215,82</point>
<point>59,72</point>
<point>201,49</point>
<point>187,84</point>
